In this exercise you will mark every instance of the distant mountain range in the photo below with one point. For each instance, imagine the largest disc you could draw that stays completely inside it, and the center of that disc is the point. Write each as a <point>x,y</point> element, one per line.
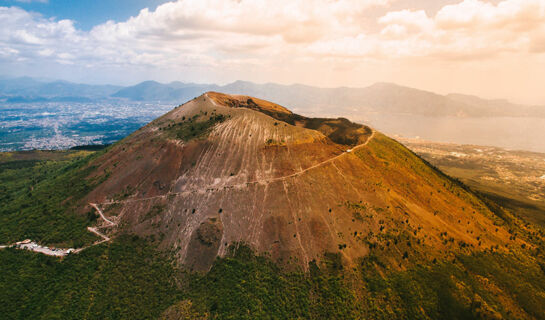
<point>154,91</point>
<point>380,98</point>
<point>30,89</point>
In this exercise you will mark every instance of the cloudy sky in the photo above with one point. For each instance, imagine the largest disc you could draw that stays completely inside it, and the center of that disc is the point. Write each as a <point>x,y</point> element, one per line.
<point>494,49</point>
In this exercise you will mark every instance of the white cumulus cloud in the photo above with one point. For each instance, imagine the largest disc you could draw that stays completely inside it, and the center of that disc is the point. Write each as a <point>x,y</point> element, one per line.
<point>275,37</point>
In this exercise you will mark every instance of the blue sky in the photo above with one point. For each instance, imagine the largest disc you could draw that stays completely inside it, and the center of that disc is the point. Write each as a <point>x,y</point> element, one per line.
<point>85,13</point>
<point>490,48</point>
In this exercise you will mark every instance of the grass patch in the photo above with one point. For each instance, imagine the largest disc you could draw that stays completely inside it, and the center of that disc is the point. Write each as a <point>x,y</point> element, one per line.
<point>194,128</point>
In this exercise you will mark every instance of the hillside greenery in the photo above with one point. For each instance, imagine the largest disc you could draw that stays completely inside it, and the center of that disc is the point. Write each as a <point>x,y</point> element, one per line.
<point>37,197</point>
<point>193,128</point>
<point>126,279</point>
<point>129,279</point>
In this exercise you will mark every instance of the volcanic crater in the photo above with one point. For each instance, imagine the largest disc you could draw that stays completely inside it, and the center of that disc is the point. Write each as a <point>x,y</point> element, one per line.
<point>226,169</point>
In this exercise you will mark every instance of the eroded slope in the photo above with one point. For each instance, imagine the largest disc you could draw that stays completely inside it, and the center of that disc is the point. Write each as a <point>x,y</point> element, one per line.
<point>222,169</point>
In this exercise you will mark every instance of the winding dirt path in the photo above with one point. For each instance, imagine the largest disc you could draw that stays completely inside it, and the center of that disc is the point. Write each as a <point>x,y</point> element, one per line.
<point>61,252</point>
<point>98,233</point>
<point>260,181</point>
<point>242,184</point>
<point>109,222</point>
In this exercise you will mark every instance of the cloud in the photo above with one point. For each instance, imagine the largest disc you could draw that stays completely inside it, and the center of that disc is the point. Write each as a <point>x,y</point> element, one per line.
<point>34,38</point>
<point>221,36</point>
<point>522,15</point>
<point>416,20</point>
<point>471,28</point>
<point>292,20</point>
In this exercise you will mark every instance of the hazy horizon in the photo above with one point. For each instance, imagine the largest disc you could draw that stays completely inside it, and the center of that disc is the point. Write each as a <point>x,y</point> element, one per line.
<point>134,83</point>
<point>491,49</point>
<point>48,115</point>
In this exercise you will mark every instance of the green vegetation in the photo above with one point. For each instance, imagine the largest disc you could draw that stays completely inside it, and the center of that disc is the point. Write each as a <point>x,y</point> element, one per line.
<point>245,286</point>
<point>529,210</point>
<point>129,279</point>
<point>507,212</point>
<point>464,289</point>
<point>126,279</point>
<point>194,128</point>
<point>91,147</point>
<point>272,142</point>
<point>37,197</point>
<point>412,166</point>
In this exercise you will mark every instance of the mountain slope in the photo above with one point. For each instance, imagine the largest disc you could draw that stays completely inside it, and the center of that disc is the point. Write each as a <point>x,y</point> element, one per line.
<point>224,169</point>
<point>311,219</point>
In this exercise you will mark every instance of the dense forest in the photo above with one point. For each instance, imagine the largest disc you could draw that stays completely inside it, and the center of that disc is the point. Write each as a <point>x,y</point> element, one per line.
<point>129,279</point>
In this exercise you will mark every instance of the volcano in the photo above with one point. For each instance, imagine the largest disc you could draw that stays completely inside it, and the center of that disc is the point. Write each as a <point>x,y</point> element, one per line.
<point>229,169</point>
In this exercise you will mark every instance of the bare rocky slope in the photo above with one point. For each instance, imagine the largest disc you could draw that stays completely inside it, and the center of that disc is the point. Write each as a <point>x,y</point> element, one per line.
<point>222,169</point>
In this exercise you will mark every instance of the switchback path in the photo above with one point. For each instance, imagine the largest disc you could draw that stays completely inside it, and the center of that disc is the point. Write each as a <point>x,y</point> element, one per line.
<point>109,222</point>
<point>61,252</point>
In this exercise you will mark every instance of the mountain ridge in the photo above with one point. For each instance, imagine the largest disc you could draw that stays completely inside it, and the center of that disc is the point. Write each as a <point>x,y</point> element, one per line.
<point>30,88</point>
<point>380,97</point>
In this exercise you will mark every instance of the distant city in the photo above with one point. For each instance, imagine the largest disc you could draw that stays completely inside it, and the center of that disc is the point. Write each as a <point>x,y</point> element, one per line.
<point>62,125</point>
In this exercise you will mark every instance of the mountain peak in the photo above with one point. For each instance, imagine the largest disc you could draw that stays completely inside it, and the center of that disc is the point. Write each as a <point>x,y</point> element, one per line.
<point>242,101</point>
<point>224,169</point>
